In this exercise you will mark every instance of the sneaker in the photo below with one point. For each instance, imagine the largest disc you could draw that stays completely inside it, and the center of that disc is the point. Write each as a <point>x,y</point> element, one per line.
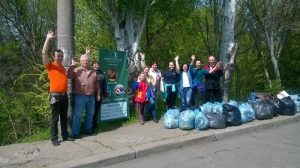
<point>143,122</point>
<point>55,142</point>
<point>155,120</point>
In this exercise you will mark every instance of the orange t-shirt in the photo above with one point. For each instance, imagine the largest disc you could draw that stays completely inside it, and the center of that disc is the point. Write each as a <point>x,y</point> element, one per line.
<point>58,77</point>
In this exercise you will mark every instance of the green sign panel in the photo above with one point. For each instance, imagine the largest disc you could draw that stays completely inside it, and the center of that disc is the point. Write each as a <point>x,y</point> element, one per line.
<point>114,65</point>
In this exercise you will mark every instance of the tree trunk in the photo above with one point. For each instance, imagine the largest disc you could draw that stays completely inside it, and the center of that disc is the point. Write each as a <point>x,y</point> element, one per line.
<point>128,29</point>
<point>228,46</point>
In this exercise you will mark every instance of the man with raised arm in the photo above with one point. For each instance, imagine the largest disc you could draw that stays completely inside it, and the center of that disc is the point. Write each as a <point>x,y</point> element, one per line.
<point>86,87</point>
<point>58,90</point>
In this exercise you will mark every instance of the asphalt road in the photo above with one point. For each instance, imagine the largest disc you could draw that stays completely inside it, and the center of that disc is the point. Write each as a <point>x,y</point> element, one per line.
<point>277,147</point>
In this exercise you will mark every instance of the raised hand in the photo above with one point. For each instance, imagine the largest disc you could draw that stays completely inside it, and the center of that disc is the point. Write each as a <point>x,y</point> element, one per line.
<point>176,58</point>
<point>87,51</point>
<point>50,34</point>
<point>193,57</point>
<point>219,64</point>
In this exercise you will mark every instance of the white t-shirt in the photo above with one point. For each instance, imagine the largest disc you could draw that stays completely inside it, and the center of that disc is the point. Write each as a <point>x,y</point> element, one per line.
<point>154,75</point>
<point>185,80</point>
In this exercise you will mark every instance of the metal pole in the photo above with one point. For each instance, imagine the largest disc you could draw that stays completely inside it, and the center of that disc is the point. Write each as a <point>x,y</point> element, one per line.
<point>65,42</point>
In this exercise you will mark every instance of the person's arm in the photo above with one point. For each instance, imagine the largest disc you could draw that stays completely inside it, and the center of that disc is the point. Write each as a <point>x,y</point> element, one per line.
<point>45,55</point>
<point>88,52</point>
<point>98,91</point>
<point>192,59</point>
<point>217,68</point>
<point>104,87</point>
<point>177,64</point>
<point>71,70</point>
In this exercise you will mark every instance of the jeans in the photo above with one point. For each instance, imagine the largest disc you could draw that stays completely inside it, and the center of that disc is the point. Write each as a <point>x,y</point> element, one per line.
<point>83,103</point>
<point>186,96</point>
<point>59,111</point>
<point>152,103</point>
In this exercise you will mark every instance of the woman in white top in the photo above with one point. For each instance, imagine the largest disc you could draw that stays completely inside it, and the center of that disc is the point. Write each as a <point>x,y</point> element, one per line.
<point>155,74</point>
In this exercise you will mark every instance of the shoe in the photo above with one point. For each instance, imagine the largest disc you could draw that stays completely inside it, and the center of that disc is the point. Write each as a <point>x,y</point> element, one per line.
<point>89,133</point>
<point>155,120</point>
<point>74,136</point>
<point>55,142</point>
<point>143,122</point>
<point>68,139</point>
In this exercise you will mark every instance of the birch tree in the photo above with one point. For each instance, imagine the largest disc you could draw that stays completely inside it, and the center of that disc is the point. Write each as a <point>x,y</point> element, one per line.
<point>228,46</point>
<point>273,19</point>
<point>127,19</point>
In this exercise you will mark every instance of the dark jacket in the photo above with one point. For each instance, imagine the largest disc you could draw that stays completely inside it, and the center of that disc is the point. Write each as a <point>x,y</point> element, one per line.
<point>212,80</point>
<point>102,83</point>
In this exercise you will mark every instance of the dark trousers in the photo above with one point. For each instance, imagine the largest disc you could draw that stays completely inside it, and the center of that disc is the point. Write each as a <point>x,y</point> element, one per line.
<point>141,107</point>
<point>97,109</point>
<point>215,92</point>
<point>198,96</point>
<point>59,110</point>
<point>171,98</point>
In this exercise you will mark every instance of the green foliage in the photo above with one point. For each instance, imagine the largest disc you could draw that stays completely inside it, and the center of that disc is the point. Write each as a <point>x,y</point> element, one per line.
<point>24,106</point>
<point>90,30</point>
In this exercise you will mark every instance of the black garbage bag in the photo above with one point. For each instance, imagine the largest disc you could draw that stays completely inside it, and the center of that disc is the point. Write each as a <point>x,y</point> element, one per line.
<point>263,109</point>
<point>232,114</point>
<point>287,106</point>
<point>216,121</point>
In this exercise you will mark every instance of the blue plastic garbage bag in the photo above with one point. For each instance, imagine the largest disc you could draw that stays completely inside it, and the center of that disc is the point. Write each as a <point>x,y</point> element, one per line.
<point>296,99</point>
<point>216,121</point>
<point>287,106</point>
<point>197,110</point>
<point>263,109</point>
<point>212,108</point>
<point>247,112</point>
<point>207,107</point>
<point>201,121</point>
<point>217,108</point>
<point>171,119</point>
<point>233,102</point>
<point>187,120</point>
<point>252,98</point>
<point>232,114</point>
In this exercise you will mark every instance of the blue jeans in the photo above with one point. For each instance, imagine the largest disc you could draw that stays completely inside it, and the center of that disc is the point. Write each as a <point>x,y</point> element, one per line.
<point>186,96</point>
<point>83,103</point>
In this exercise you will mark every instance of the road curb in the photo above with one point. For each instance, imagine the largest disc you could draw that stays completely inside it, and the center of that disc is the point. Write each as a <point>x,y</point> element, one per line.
<point>196,138</point>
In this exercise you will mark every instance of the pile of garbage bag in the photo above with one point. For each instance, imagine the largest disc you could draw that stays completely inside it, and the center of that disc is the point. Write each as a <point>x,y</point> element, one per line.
<point>260,106</point>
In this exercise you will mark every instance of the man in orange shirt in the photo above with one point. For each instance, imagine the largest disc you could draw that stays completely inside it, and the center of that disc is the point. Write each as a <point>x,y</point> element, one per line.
<point>58,91</point>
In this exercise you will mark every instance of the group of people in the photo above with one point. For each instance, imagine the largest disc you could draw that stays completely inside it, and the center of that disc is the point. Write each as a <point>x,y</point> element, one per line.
<point>187,81</point>
<point>89,88</point>
<point>88,85</point>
